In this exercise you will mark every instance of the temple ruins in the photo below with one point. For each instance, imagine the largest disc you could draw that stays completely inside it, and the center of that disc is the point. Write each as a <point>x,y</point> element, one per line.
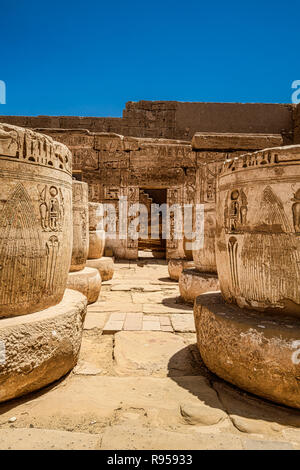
<point>106,284</point>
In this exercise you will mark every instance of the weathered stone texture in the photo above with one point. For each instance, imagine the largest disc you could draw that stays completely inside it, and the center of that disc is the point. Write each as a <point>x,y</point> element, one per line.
<point>35,220</point>
<point>176,120</point>
<point>193,283</point>
<point>87,281</point>
<point>233,141</point>
<point>176,266</point>
<point>297,125</point>
<point>253,351</point>
<point>80,226</point>
<point>258,226</point>
<point>42,347</point>
<point>211,152</point>
<point>105,266</point>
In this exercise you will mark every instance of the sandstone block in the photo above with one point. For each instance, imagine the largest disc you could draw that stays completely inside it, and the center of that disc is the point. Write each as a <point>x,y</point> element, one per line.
<point>41,347</point>
<point>95,216</point>
<point>80,225</point>
<point>258,227</point>
<point>234,141</point>
<point>105,266</point>
<point>96,244</point>
<point>35,221</point>
<point>87,281</point>
<point>193,283</point>
<point>257,353</point>
<point>176,266</point>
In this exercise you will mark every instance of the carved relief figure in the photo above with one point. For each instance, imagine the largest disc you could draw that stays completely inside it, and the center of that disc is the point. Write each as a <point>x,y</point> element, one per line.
<point>233,250</point>
<point>235,212</point>
<point>270,261</point>
<point>22,257</point>
<point>52,253</point>
<point>296,211</point>
<point>51,209</point>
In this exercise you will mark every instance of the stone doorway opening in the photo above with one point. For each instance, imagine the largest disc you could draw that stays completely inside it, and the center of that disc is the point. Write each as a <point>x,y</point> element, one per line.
<point>152,247</point>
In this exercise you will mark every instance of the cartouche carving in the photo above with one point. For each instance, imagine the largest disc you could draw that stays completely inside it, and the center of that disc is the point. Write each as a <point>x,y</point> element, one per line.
<point>51,208</point>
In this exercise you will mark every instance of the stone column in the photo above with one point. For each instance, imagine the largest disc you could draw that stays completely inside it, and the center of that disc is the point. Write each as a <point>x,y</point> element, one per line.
<point>104,264</point>
<point>85,279</point>
<point>212,150</point>
<point>40,321</point>
<point>251,335</point>
<point>80,226</point>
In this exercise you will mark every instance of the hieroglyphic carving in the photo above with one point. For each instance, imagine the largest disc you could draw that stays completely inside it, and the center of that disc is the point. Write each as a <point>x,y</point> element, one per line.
<point>233,251</point>
<point>111,193</point>
<point>35,148</point>
<point>235,211</point>
<point>51,208</point>
<point>133,198</point>
<point>22,256</point>
<point>52,254</point>
<point>296,211</point>
<point>270,263</point>
<point>80,225</point>
<point>173,198</point>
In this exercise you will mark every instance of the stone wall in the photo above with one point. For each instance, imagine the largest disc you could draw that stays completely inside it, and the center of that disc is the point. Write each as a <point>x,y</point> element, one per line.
<point>176,120</point>
<point>115,165</point>
<point>297,125</point>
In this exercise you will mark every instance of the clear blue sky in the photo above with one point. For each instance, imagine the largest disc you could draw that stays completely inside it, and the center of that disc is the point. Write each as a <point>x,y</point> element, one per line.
<point>90,57</point>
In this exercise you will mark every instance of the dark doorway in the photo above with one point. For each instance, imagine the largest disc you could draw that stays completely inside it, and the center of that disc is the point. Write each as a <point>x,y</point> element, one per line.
<point>152,247</point>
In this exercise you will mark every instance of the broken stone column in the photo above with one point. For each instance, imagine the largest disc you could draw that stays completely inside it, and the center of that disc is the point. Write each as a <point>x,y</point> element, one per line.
<point>85,279</point>
<point>250,335</point>
<point>40,321</point>
<point>104,264</point>
<point>212,150</point>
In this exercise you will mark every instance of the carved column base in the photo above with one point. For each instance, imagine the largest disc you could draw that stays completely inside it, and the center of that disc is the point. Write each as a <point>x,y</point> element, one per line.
<point>176,266</point>
<point>193,283</point>
<point>47,346</point>
<point>87,281</point>
<point>258,352</point>
<point>105,266</point>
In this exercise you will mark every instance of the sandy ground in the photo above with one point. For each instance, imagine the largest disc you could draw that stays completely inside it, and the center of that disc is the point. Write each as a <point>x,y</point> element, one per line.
<point>144,388</point>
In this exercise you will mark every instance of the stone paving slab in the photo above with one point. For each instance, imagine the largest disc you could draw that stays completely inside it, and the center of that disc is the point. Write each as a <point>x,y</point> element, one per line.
<point>112,327</point>
<point>95,320</point>
<point>159,354</point>
<point>151,326</point>
<point>138,322</point>
<point>160,398</point>
<point>167,309</point>
<point>183,323</point>
<point>47,439</point>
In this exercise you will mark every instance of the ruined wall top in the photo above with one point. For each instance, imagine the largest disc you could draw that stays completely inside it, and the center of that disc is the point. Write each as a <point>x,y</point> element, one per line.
<point>27,145</point>
<point>177,120</point>
<point>297,125</point>
<point>235,141</point>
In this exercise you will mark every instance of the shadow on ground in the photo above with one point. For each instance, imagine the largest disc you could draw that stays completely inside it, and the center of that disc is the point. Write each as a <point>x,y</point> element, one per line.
<point>11,404</point>
<point>177,302</point>
<point>234,401</point>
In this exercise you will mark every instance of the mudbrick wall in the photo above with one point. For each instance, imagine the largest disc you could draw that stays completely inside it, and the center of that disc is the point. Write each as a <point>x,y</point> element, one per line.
<point>178,120</point>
